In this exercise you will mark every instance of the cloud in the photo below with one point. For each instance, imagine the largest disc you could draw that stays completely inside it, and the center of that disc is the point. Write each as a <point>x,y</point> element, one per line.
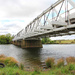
<point>16,14</point>
<point>11,26</point>
<point>66,37</point>
<point>23,8</point>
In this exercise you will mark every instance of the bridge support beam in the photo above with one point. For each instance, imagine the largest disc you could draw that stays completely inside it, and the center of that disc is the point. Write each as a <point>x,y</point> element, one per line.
<point>31,44</point>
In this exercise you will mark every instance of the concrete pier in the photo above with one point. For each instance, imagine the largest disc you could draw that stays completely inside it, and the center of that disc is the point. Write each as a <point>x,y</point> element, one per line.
<point>28,43</point>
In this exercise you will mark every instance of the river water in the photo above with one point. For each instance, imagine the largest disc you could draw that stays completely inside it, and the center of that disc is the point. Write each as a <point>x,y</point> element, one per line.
<point>35,57</point>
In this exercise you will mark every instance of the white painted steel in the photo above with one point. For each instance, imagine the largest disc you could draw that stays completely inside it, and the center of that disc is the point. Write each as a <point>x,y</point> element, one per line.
<point>44,26</point>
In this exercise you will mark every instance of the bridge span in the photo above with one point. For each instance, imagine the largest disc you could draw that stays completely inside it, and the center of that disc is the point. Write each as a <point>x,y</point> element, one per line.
<point>57,20</point>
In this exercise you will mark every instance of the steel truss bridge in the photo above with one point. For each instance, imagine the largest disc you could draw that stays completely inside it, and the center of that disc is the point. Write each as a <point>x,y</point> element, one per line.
<point>57,20</point>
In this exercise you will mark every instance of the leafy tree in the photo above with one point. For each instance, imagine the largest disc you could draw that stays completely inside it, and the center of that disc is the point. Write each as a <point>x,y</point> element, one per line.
<point>47,41</point>
<point>5,39</point>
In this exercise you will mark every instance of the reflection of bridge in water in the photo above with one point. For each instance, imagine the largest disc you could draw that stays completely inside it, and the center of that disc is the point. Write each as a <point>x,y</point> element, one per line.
<point>57,20</point>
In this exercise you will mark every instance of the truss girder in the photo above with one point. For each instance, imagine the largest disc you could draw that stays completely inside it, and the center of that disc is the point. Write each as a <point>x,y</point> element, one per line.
<point>49,24</point>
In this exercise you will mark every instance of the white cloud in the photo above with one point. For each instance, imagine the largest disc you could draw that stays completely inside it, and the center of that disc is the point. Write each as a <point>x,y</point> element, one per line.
<point>16,14</point>
<point>66,37</point>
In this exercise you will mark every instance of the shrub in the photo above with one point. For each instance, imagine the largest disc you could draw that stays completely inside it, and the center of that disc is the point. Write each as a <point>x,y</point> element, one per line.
<point>49,62</point>
<point>9,61</point>
<point>70,60</point>
<point>60,62</point>
<point>2,56</point>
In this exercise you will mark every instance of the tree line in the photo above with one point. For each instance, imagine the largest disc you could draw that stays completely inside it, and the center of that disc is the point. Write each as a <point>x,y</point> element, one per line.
<point>6,39</point>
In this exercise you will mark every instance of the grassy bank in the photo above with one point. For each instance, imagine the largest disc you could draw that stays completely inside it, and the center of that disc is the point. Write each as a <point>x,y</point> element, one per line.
<point>65,41</point>
<point>64,70</point>
<point>49,41</point>
<point>12,67</point>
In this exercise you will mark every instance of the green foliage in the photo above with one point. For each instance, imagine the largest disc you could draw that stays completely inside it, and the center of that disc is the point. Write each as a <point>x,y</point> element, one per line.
<point>47,41</point>
<point>5,39</point>
<point>71,67</point>
<point>68,69</point>
<point>64,70</point>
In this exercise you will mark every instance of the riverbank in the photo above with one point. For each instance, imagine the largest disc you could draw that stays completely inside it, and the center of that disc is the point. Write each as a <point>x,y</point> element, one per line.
<point>49,41</point>
<point>14,68</point>
<point>66,70</point>
<point>65,41</point>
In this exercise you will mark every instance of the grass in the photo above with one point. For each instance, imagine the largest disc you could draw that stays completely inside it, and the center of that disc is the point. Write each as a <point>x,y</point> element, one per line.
<point>60,62</point>
<point>64,70</point>
<point>49,62</point>
<point>65,41</point>
<point>21,66</point>
<point>69,69</point>
<point>12,71</point>
<point>70,60</point>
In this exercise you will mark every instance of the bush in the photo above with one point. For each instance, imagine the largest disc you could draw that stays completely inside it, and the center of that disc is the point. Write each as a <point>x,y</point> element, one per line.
<point>70,60</point>
<point>49,62</point>
<point>2,56</point>
<point>9,61</point>
<point>60,62</point>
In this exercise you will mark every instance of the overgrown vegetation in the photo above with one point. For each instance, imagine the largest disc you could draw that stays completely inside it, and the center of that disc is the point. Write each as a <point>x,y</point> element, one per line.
<point>8,61</point>
<point>70,60</point>
<point>6,39</point>
<point>69,69</point>
<point>60,63</point>
<point>49,62</point>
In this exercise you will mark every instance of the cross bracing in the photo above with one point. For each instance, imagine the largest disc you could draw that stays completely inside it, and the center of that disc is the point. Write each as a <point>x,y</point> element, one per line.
<point>57,20</point>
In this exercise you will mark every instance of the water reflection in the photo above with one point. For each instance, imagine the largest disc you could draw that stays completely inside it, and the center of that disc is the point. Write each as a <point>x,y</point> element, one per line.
<point>35,56</point>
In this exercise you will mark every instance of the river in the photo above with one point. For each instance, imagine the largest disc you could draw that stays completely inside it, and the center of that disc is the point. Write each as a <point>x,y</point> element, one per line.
<point>35,57</point>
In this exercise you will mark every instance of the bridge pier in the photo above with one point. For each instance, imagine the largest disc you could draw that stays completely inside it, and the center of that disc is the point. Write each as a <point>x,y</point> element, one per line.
<point>31,44</point>
<point>28,43</point>
<point>19,43</point>
<point>15,42</point>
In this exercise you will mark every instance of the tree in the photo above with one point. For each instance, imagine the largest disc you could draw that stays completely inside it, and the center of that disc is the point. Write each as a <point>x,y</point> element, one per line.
<point>5,39</point>
<point>47,41</point>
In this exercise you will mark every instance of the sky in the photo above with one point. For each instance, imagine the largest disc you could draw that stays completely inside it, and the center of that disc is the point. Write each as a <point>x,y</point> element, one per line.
<point>16,14</point>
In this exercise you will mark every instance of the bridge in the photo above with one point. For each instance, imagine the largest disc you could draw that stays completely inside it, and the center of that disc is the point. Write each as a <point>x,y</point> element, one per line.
<point>57,20</point>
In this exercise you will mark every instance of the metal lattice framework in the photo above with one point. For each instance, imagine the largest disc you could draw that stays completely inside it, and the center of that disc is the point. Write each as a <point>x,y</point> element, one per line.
<point>58,19</point>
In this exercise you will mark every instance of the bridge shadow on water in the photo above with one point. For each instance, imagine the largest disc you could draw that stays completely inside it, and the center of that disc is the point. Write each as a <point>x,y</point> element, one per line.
<point>33,56</point>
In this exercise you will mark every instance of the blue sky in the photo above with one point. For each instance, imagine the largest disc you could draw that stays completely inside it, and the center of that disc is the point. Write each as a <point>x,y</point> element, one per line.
<point>16,14</point>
